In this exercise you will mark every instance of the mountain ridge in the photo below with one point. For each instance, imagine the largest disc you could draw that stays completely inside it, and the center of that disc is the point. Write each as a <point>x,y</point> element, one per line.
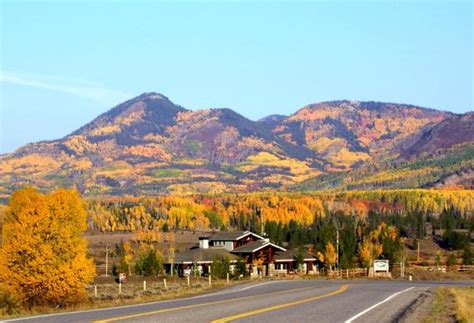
<point>149,145</point>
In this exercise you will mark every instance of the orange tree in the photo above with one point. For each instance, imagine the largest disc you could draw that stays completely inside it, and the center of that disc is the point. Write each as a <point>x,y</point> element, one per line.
<point>43,258</point>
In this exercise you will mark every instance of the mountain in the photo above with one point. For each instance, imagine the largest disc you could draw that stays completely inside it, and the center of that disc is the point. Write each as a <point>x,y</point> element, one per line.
<point>457,130</point>
<point>149,145</point>
<point>348,133</point>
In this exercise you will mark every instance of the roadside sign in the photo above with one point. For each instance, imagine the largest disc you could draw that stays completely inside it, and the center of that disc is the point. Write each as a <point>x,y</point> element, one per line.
<point>381,265</point>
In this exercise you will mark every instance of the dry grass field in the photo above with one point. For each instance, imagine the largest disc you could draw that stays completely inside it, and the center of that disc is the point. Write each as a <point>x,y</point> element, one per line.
<point>464,303</point>
<point>452,305</point>
<point>100,241</point>
<point>133,289</point>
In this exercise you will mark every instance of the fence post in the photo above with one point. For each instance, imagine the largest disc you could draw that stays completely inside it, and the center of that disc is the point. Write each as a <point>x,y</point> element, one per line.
<point>189,283</point>
<point>106,261</point>
<point>144,285</point>
<point>210,280</point>
<point>227,278</point>
<point>164,282</point>
<point>95,290</point>
<point>120,288</point>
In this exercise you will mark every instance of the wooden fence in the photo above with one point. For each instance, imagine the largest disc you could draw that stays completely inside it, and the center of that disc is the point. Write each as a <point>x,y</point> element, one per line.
<point>348,273</point>
<point>464,268</point>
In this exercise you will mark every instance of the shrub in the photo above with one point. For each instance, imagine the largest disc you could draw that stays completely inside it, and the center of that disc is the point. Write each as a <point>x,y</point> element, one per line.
<point>148,264</point>
<point>300,257</point>
<point>467,256</point>
<point>241,268</point>
<point>220,267</point>
<point>452,261</point>
<point>122,267</point>
<point>9,304</point>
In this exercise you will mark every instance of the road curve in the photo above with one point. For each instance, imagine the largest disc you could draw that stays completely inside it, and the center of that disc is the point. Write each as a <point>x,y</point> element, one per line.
<point>273,301</point>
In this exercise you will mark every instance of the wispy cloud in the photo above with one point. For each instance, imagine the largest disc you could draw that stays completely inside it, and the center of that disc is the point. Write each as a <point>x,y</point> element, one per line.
<point>85,89</point>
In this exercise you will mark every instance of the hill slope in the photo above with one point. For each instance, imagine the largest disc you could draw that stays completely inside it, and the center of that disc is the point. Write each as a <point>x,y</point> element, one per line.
<point>149,145</point>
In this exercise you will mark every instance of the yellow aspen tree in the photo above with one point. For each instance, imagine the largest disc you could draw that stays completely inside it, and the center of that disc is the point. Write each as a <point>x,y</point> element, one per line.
<point>128,256</point>
<point>365,253</point>
<point>148,237</point>
<point>330,255</point>
<point>377,250</point>
<point>43,259</point>
<point>320,256</point>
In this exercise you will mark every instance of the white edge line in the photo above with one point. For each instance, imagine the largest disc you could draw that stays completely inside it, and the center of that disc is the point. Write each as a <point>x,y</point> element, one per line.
<point>258,285</point>
<point>141,304</point>
<point>379,303</point>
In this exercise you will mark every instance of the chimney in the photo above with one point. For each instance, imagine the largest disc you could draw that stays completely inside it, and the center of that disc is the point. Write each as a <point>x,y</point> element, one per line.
<point>203,242</point>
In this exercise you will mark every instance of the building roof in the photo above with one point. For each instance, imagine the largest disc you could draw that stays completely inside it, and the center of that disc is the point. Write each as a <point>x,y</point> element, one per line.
<point>200,255</point>
<point>232,235</point>
<point>290,255</point>
<point>255,246</point>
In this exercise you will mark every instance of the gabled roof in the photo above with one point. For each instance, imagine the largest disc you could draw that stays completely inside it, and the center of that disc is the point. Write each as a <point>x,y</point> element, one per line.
<point>199,255</point>
<point>255,246</point>
<point>232,235</point>
<point>290,255</point>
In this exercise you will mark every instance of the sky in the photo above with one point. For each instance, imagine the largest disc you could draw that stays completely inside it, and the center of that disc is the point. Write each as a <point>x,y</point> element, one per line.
<point>63,63</point>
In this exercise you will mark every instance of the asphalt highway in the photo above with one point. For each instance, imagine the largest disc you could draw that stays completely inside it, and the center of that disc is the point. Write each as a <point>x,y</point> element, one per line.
<point>273,301</point>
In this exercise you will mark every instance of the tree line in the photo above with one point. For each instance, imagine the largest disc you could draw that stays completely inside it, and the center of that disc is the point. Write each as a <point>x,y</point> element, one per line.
<point>252,211</point>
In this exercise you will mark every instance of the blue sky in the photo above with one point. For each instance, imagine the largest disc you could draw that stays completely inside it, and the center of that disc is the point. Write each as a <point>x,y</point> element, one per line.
<point>64,63</point>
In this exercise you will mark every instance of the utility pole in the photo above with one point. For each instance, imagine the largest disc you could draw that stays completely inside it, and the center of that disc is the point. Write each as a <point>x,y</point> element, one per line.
<point>337,247</point>
<point>106,261</point>
<point>418,250</point>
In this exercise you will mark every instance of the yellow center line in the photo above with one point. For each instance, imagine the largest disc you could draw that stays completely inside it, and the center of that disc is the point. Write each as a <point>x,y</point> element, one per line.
<point>125,317</point>
<point>342,289</point>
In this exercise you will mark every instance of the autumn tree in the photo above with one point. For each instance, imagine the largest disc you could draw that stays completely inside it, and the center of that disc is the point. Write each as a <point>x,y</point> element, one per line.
<point>330,255</point>
<point>365,253</point>
<point>368,251</point>
<point>148,237</point>
<point>125,264</point>
<point>2,215</point>
<point>43,259</point>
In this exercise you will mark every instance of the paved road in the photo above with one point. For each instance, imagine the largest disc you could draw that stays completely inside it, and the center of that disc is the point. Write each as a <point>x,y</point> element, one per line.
<point>273,301</point>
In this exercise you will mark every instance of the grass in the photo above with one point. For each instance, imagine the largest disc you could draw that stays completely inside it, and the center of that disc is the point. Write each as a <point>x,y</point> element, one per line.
<point>452,304</point>
<point>464,303</point>
<point>441,308</point>
<point>132,293</point>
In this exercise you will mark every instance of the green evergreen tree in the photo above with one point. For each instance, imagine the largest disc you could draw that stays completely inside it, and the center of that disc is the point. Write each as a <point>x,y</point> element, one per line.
<point>467,256</point>
<point>148,263</point>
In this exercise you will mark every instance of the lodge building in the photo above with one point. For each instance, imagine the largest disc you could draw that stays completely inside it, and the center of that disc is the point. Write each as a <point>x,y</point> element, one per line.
<point>235,245</point>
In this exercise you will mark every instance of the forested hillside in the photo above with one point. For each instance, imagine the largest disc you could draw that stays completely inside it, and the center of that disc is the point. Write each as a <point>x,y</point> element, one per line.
<point>371,223</point>
<point>251,211</point>
<point>149,145</point>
